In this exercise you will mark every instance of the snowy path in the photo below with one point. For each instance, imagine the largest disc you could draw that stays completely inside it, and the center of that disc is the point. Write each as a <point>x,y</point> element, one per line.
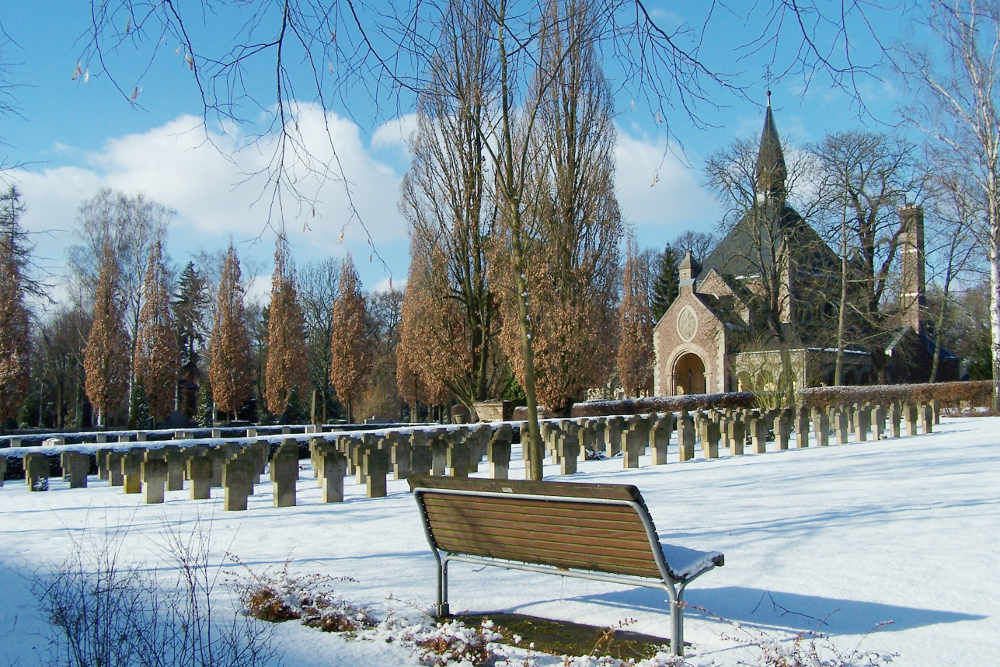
<point>835,539</point>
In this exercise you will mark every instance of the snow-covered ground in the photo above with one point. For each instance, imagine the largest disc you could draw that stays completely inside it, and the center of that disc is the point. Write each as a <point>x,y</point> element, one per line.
<point>838,540</point>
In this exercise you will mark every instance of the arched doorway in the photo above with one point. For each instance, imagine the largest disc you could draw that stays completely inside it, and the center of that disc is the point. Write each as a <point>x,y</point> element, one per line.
<point>689,374</point>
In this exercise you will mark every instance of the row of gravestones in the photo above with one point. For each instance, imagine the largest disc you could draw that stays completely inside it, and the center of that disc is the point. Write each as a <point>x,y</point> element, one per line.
<point>237,467</point>
<point>573,440</point>
<point>371,457</point>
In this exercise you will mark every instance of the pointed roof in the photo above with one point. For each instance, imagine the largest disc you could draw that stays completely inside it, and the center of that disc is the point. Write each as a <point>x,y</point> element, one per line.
<point>770,169</point>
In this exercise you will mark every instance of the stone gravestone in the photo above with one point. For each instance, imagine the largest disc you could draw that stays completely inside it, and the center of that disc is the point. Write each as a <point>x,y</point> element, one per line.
<point>175,467</point>
<point>685,436</point>
<point>154,476</point>
<point>376,463</point>
<point>659,437</point>
<point>114,465</point>
<point>78,465</point>
<point>238,474</point>
<point>802,427</point>
<point>457,458</point>
<point>199,467</point>
<point>36,471</point>
<point>613,435</point>
<point>498,452</point>
<point>737,434</point>
<point>284,473</point>
<point>334,468</point>
<point>632,444</point>
<point>569,450</point>
<point>132,469</point>
<point>821,427</point>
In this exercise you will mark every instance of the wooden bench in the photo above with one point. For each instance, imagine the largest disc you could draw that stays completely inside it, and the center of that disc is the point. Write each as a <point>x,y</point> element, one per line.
<point>588,531</point>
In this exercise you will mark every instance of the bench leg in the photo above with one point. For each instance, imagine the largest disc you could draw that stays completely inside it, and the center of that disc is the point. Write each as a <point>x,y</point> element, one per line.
<point>676,619</point>
<point>442,605</point>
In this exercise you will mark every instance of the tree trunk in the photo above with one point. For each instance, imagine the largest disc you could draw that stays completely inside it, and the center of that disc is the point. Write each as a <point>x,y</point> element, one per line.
<point>995,308</point>
<point>838,373</point>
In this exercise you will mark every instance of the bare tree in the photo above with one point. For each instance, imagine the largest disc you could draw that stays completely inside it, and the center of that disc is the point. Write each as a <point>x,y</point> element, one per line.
<point>699,244</point>
<point>956,211</point>
<point>317,293</point>
<point>957,107</point>
<point>381,395</point>
<point>156,362</point>
<point>864,178</point>
<point>106,360</point>
<point>446,200</point>
<point>229,371</point>
<point>8,103</point>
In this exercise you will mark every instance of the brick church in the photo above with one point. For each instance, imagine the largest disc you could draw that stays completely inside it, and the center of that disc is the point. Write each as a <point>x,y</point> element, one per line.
<point>773,273</point>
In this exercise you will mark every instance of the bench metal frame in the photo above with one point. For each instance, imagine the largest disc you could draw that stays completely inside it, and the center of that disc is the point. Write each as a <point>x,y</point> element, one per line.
<point>673,585</point>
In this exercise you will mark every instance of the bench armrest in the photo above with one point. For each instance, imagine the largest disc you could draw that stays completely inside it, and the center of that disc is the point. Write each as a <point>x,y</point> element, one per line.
<point>686,564</point>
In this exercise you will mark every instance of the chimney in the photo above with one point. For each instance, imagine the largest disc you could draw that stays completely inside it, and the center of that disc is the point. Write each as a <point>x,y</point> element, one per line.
<point>685,273</point>
<point>911,245</point>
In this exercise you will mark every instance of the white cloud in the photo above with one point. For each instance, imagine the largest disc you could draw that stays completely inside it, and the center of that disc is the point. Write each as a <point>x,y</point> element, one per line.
<point>658,193</point>
<point>217,184</point>
<point>387,284</point>
<point>395,133</point>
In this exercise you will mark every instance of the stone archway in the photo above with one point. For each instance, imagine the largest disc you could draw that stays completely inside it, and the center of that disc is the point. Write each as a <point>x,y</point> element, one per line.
<point>689,374</point>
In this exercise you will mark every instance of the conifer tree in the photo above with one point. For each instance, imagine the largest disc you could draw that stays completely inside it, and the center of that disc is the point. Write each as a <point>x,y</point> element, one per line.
<point>665,284</point>
<point>138,410</point>
<point>635,343</point>
<point>157,357</point>
<point>189,306</point>
<point>205,415</point>
<point>15,346</point>
<point>350,351</point>
<point>106,355</point>
<point>230,368</point>
<point>286,357</point>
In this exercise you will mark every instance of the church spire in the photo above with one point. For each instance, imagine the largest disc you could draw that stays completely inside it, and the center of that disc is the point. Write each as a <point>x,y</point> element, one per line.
<point>770,172</point>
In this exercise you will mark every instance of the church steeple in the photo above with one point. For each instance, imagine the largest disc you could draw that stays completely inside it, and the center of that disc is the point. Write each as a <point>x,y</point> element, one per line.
<point>770,171</point>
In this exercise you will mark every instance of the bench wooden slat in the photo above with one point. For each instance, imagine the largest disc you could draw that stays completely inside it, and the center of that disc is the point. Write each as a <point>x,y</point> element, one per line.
<point>543,505</point>
<point>457,540</point>
<point>593,516</point>
<point>612,564</point>
<point>605,530</point>
<point>626,492</point>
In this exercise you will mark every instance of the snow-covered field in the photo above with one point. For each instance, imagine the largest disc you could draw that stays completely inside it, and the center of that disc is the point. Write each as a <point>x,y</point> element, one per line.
<point>838,540</point>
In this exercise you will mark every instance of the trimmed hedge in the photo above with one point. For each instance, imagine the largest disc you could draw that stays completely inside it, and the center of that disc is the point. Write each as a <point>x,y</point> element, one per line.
<point>638,406</point>
<point>948,393</point>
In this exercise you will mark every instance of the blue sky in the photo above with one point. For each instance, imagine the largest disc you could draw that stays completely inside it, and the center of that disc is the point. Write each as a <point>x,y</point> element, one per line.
<point>75,136</point>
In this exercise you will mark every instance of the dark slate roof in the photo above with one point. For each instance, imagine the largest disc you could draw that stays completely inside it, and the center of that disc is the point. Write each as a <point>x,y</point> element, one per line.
<point>770,167</point>
<point>744,251</point>
<point>925,340</point>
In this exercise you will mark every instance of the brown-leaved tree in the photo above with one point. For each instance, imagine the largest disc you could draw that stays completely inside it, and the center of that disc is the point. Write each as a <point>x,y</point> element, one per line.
<point>286,356</point>
<point>107,353</point>
<point>635,332</point>
<point>230,371</point>
<point>15,346</point>
<point>350,351</point>
<point>156,363</point>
